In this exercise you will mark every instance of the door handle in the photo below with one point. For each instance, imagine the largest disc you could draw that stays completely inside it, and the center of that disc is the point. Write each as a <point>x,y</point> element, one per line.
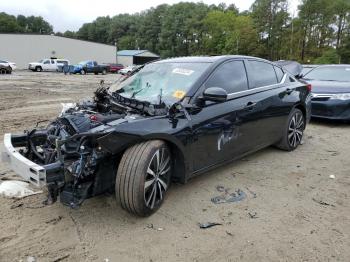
<point>289,91</point>
<point>250,105</point>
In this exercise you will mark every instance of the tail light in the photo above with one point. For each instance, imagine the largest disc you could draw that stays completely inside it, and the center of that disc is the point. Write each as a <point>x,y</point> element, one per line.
<point>309,87</point>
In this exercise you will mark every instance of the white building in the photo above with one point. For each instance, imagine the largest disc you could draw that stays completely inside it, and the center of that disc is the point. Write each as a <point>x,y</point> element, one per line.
<point>25,48</point>
<point>135,57</point>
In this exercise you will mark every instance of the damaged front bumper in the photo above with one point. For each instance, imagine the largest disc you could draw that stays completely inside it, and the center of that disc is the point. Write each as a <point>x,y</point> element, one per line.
<point>25,168</point>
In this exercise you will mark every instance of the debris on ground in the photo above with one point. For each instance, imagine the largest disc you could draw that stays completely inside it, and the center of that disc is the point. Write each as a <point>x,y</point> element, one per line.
<point>251,192</point>
<point>61,258</point>
<point>55,220</point>
<point>229,233</point>
<point>31,259</point>
<point>227,197</point>
<point>220,188</point>
<point>16,189</point>
<point>331,176</point>
<point>253,215</point>
<point>322,202</point>
<point>208,225</point>
<point>151,226</point>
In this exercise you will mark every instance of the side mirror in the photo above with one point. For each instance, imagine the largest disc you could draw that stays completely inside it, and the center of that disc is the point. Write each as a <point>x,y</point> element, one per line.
<point>215,94</point>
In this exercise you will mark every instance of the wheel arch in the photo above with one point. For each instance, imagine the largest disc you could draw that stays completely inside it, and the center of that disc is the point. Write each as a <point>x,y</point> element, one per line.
<point>117,144</point>
<point>180,164</point>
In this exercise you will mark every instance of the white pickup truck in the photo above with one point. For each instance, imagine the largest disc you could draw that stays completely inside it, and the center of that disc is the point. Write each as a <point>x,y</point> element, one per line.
<point>47,64</point>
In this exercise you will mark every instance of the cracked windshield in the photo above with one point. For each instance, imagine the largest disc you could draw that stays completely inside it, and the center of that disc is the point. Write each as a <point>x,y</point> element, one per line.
<point>161,82</point>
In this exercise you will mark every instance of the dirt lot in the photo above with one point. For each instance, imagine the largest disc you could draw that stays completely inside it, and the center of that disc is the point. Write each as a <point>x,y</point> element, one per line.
<point>293,210</point>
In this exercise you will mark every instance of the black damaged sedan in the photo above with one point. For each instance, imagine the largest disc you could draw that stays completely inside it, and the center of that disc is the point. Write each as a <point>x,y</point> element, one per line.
<point>330,91</point>
<point>168,121</point>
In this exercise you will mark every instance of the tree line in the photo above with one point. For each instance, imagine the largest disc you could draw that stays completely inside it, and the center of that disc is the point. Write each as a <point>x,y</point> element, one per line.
<point>319,32</point>
<point>23,24</point>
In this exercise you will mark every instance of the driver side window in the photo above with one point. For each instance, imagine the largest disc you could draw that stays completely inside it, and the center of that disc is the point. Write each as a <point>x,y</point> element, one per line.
<point>230,76</point>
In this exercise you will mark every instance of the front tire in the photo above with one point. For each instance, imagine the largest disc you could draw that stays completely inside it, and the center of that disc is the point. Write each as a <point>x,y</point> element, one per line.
<point>293,131</point>
<point>143,177</point>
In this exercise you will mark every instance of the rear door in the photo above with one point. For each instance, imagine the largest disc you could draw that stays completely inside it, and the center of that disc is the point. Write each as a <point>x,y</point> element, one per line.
<point>265,112</point>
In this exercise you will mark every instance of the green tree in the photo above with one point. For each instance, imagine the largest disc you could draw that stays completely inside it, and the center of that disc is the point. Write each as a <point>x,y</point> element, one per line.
<point>8,24</point>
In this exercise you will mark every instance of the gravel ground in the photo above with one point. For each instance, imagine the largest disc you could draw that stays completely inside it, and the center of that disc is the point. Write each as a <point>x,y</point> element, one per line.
<point>293,210</point>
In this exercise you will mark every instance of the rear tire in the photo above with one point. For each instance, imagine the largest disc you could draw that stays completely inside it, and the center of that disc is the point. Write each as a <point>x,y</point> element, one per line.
<point>293,131</point>
<point>143,177</point>
<point>104,71</point>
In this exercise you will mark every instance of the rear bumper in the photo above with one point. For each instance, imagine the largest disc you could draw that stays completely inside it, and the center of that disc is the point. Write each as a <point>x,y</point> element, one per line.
<point>22,166</point>
<point>331,109</point>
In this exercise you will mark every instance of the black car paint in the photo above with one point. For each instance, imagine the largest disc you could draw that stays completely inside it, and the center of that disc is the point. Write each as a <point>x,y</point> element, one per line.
<point>196,140</point>
<point>201,134</point>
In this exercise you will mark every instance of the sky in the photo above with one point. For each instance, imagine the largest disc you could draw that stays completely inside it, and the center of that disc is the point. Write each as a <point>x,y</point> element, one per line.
<point>71,14</point>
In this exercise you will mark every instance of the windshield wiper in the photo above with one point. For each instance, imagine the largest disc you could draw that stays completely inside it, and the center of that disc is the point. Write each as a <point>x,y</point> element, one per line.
<point>138,91</point>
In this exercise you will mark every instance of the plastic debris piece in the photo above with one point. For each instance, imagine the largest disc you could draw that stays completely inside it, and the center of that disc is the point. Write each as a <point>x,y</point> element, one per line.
<point>208,225</point>
<point>31,259</point>
<point>237,196</point>
<point>331,176</point>
<point>16,189</point>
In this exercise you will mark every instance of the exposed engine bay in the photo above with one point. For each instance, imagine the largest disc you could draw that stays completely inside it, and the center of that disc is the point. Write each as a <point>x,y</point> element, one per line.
<point>78,166</point>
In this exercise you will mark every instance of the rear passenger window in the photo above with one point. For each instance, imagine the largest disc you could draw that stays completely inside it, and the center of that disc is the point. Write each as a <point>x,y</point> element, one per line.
<point>279,73</point>
<point>262,73</point>
<point>230,76</point>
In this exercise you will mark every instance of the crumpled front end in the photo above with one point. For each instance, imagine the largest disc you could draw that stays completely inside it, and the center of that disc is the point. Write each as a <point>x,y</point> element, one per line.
<point>66,155</point>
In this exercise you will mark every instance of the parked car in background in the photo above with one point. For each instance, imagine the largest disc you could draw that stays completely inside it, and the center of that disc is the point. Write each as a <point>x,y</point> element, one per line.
<point>128,69</point>
<point>114,68</point>
<point>330,91</point>
<point>51,64</point>
<point>5,69</point>
<point>7,63</point>
<point>169,121</point>
<point>86,67</point>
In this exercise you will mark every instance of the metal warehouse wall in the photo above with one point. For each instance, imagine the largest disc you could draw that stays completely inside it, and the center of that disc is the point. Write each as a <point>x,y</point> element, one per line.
<point>23,49</point>
<point>125,60</point>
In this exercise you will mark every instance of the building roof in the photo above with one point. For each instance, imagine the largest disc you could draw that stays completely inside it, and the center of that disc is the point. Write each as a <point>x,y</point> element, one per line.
<point>135,53</point>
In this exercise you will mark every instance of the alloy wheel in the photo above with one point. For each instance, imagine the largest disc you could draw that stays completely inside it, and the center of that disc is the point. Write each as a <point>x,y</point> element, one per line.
<point>157,177</point>
<point>295,130</point>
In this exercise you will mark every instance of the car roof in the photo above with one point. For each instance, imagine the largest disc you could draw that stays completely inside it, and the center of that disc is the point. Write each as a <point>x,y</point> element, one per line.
<point>333,65</point>
<point>205,59</point>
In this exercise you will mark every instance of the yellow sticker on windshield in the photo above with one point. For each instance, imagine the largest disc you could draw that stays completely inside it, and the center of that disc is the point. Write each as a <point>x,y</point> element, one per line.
<point>179,94</point>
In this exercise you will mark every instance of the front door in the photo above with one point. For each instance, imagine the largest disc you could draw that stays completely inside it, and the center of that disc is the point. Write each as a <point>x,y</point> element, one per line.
<point>216,129</point>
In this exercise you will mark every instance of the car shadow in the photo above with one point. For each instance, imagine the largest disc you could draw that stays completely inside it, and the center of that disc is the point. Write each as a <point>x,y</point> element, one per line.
<point>330,122</point>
